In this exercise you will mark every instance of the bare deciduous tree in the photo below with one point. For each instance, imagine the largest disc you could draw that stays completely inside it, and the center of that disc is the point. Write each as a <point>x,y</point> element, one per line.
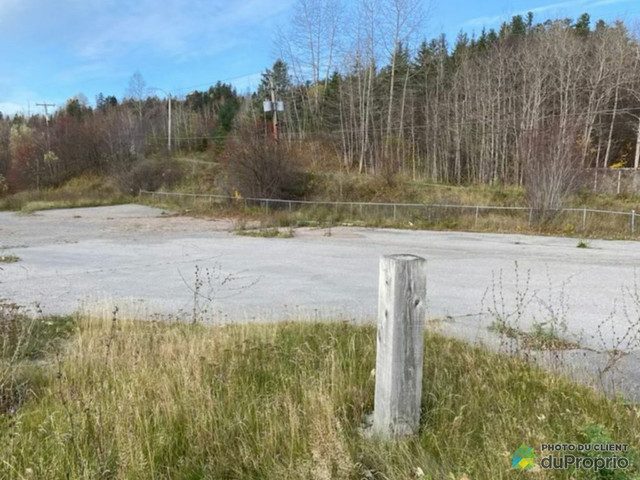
<point>551,171</point>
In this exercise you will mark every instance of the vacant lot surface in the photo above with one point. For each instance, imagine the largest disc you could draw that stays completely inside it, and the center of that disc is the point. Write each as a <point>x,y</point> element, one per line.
<point>138,255</point>
<point>145,261</point>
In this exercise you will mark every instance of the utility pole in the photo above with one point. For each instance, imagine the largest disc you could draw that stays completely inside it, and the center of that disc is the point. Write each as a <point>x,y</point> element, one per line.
<point>169,124</point>
<point>274,108</point>
<point>46,118</point>
<point>46,105</point>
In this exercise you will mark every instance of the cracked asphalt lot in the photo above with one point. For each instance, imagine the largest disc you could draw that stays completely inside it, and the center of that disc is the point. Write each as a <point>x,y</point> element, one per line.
<point>145,261</point>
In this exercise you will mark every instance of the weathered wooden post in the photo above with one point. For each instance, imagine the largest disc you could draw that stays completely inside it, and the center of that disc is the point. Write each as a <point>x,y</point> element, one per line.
<point>401,315</point>
<point>619,181</point>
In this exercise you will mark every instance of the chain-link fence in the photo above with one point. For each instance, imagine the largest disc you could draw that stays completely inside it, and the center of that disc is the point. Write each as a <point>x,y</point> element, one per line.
<point>476,217</point>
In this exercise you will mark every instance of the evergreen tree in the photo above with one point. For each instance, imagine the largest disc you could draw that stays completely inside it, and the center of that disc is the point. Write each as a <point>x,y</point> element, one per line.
<point>581,26</point>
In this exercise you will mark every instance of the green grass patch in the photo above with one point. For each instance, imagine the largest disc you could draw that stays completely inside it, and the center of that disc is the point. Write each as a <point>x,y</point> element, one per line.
<point>85,191</point>
<point>541,337</point>
<point>9,258</point>
<point>154,400</point>
<point>204,176</point>
<point>25,343</point>
<point>266,233</point>
<point>452,208</point>
<point>25,337</point>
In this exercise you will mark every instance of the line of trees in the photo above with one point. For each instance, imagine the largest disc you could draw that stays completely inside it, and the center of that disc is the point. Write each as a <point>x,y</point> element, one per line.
<point>365,89</point>
<point>477,111</point>
<point>111,137</point>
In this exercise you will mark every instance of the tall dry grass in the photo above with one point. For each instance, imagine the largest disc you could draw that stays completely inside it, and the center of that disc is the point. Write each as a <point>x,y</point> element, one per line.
<point>153,400</point>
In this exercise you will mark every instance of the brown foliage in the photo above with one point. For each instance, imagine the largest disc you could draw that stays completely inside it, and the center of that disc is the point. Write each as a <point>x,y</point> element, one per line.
<point>147,175</point>
<point>264,168</point>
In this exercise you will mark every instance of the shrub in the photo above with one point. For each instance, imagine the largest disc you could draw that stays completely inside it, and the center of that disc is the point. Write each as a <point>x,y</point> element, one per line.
<point>259,167</point>
<point>550,155</point>
<point>148,175</point>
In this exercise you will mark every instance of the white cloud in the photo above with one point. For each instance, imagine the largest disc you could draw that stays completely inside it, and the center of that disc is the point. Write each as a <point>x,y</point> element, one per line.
<point>23,100</point>
<point>89,45</point>
<point>11,108</point>
<point>180,29</point>
<point>482,21</point>
<point>20,102</point>
<point>557,6</point>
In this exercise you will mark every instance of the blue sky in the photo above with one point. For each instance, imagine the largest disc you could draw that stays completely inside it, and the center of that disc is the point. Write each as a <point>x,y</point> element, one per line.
<point>52,50</point>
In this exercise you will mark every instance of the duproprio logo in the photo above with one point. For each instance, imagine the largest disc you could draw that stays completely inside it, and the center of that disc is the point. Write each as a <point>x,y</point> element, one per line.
<point>523,458</point>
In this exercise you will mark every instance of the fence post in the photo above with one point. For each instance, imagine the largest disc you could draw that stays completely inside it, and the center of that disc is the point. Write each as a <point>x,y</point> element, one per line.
<point>633,221</point>
<point>394,212</point>
<point>476,222</point>
<point>399,357</point>
<point>584,219</point>
<point>619,180</point>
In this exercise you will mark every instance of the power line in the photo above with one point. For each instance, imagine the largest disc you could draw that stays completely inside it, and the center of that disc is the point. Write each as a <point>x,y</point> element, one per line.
<point>210,84</point>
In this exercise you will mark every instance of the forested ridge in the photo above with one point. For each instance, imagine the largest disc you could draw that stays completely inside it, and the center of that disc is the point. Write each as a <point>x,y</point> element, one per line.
<point>364,91</point>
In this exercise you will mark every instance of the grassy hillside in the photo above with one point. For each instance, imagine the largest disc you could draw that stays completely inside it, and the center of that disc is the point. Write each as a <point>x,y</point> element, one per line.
<point>333,187</point>
<point>85,191</point>
<point>201,175</point>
